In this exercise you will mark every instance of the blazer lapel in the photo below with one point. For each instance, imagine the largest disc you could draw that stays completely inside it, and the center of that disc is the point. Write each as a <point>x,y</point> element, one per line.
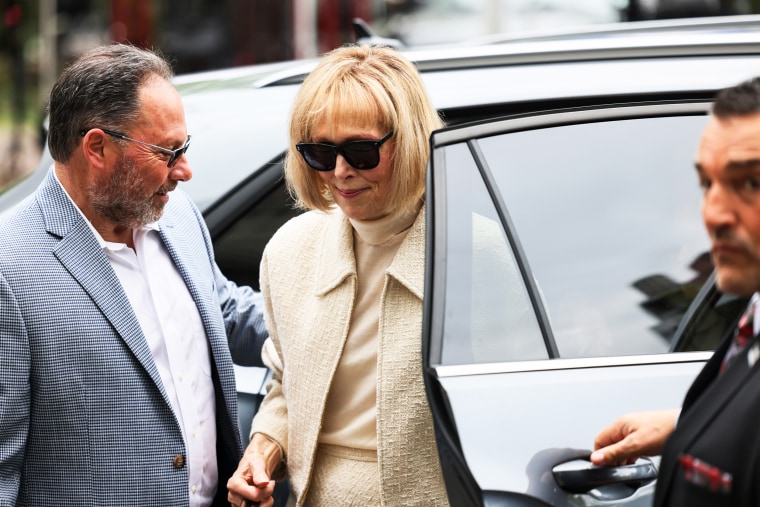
<point>200,282</point>
<point>202,288</point>
<point>336,261</point>
<point>320,352</point>
<point>408,267</point>
<point>708,373</point>
<point>717,390</point>
<point>707,397</point>
<point>82,256</point>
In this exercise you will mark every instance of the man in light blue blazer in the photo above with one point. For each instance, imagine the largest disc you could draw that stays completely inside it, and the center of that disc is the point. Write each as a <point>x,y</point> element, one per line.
<point>116,325</point>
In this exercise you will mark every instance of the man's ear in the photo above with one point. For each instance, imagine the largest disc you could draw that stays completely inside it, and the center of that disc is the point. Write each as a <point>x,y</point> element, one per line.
<point>94,148</point>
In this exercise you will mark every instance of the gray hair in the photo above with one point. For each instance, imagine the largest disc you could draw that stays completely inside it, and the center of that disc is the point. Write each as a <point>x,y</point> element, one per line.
<point>100,89</point>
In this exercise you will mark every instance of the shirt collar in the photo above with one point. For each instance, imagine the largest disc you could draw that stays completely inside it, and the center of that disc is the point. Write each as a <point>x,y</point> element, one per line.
<point>105,245</point>
<point>756,315</point>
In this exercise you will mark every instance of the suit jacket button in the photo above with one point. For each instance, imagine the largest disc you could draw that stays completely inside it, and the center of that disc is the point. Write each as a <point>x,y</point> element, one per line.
<point>179,461</point>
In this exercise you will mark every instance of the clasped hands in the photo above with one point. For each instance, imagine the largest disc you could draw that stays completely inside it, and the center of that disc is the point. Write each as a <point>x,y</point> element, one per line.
<point>251,484</point>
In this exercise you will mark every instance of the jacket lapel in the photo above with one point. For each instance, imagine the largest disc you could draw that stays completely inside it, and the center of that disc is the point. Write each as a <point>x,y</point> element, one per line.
<point>336,261</point>
<point>408,266</point>
<point>202,287</point>
<point>186,265</point>
<point>329,317</point>
<point>707,397</point>
<point>82,256</point>
<point>713,391</point>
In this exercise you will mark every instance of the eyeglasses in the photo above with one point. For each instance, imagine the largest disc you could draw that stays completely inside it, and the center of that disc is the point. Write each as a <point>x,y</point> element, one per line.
<point>362,154</point>
<point>174,155</point>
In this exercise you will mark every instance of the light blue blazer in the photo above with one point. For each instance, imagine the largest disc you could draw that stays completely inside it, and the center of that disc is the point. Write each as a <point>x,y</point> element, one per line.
<point>84,417</point>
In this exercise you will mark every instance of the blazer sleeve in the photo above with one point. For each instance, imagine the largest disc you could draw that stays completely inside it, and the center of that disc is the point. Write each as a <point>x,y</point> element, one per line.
<point>241,306</point>
<point>15,388</point>
<point>242,310</point>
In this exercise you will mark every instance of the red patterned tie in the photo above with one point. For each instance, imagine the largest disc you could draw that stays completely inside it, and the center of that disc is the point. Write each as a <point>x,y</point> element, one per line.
<point>744,334</point>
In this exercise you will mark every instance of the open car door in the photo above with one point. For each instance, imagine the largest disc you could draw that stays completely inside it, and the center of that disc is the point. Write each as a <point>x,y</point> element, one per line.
<point>565,257</point>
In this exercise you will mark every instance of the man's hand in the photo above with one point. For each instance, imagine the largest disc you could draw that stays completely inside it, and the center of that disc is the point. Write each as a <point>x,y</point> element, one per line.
<point>632,436</point>
<point>251,484</point>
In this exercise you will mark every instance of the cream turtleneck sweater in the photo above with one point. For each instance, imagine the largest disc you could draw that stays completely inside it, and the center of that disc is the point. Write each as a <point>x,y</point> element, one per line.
<point>351,411</point>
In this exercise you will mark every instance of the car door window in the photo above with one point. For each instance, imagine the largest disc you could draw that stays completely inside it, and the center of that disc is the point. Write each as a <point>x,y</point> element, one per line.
<point>485,294</point>
<point>607,217</point>
<point>239,247</point>
<point>593,216</point>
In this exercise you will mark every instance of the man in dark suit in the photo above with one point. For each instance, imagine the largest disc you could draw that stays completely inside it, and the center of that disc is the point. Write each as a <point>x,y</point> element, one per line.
<point>711,450</point>
<point>116,378</point>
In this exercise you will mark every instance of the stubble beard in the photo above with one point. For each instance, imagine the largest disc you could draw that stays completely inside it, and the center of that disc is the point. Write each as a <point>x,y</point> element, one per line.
<point>122,200</point>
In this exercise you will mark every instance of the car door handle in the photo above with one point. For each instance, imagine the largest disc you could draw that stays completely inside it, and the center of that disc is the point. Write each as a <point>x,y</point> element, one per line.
<point>581,476</point>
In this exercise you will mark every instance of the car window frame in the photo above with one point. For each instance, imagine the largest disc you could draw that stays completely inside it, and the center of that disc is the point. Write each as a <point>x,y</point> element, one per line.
<point>500,126</point>
<point>462,487</point>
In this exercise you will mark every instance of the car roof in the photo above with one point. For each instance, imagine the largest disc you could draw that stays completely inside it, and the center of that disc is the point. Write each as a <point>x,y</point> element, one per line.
<point>738,23</point>
<point>468,81</point>
<point>644,39</point>
<point>238,117</point>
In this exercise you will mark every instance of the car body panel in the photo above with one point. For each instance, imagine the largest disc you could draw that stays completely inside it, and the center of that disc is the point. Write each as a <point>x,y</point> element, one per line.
<point>532,83</point>
<point>484,404</point>
<point>227,158</point>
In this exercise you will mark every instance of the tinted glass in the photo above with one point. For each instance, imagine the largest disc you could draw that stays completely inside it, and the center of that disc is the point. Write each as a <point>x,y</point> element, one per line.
<point>489,316</point>
<point>716,316</point>
<point>238,249</point>
<point>608,215</point>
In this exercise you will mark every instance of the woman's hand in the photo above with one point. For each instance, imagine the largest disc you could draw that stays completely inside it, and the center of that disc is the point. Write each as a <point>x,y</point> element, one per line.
<point>251,484</point>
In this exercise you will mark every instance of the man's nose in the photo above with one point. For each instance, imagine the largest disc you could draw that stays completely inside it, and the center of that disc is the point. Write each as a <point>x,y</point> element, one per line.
<point>717,207</point>
<point>181,170</point>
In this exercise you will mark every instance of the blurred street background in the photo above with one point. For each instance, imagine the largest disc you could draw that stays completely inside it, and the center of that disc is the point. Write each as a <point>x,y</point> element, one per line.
<point>39,37</point>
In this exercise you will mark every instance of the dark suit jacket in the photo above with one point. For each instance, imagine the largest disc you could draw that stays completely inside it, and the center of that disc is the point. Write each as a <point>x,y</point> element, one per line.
<point>720,427</point>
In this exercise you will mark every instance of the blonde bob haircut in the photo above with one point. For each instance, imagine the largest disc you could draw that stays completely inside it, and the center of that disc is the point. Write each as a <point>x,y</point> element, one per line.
<point>364,86</point>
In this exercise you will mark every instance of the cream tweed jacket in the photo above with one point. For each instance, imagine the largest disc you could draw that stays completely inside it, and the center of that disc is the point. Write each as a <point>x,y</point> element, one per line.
<point>308,278</point>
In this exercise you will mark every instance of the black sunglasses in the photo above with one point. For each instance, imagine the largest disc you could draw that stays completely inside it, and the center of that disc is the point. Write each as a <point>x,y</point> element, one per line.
<point>174,155</point>
<point>362,154</point>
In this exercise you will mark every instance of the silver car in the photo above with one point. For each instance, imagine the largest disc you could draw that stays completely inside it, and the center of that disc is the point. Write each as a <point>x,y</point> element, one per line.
<point>571,155</point>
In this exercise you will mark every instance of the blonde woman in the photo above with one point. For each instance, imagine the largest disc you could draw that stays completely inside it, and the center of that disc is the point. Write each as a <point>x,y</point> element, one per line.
<point>346,417</point>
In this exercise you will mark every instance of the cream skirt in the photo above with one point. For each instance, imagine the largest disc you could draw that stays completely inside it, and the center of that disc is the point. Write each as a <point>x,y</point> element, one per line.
<point>344,476</point>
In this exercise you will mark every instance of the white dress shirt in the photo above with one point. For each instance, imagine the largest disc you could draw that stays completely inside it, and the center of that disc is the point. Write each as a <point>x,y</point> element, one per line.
<point>174,331</point>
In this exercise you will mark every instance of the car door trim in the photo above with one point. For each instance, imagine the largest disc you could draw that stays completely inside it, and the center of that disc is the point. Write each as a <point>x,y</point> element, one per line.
<point>460,370</point>
<point>516,246</point>
<point>530,121</point>
<point>437,209</point>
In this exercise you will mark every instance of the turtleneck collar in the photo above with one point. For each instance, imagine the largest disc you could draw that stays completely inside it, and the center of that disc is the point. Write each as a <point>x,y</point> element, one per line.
<point>383,230</point>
